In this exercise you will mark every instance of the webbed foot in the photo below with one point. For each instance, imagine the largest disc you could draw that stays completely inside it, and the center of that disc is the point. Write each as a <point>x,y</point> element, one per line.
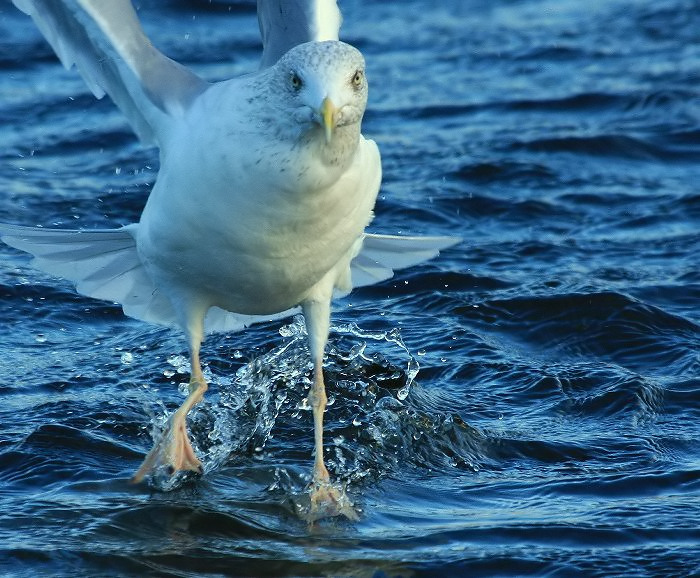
<point>329,500</point>
<point>172,452</point>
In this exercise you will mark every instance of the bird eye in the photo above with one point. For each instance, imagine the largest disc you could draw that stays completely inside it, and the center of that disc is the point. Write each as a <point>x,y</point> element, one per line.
<point>296,81</point>
<point>358,78</point>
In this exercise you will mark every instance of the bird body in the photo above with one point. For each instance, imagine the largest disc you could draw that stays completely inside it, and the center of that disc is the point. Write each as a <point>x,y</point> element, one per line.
<point>265,188</point>
<point>274,219</point>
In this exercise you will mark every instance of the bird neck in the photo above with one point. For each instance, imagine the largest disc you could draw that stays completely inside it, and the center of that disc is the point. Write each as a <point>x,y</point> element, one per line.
<point>339,152</point>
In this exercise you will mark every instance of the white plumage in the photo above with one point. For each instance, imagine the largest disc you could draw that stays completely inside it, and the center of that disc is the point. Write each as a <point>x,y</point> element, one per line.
<point>265,188</point>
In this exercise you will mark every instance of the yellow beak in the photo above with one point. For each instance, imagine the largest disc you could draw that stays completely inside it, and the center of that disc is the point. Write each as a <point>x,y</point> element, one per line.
<point>329,118</point>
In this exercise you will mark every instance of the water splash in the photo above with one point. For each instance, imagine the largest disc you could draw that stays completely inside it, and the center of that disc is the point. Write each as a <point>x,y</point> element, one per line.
<point>393,336</point>
<point>239,414</point>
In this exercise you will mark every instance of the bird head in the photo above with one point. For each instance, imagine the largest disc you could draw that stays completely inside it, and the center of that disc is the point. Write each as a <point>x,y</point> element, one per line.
<point>325,84</point>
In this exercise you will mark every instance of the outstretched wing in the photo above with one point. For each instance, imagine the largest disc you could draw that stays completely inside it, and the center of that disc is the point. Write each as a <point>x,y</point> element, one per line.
<point>102,264</point>
<point>105,264</point>
<point>286,23</point>
<point>381,254</point>
<point>104,40</point>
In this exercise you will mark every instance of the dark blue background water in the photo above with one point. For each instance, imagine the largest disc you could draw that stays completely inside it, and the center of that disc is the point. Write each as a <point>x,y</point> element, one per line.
<point>553,426</point>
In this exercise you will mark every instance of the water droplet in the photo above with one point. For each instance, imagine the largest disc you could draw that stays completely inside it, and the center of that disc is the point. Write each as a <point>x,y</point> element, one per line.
<point>40,338</point>
<point>180,363</point>
<point>402,393</point>
<point>127,358</point>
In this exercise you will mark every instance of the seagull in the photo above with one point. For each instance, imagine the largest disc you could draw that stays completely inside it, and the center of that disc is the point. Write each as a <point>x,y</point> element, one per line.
<point>265,188</point>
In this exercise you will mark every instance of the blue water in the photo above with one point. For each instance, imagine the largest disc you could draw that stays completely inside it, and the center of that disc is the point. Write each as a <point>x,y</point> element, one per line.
<point>552,428</point>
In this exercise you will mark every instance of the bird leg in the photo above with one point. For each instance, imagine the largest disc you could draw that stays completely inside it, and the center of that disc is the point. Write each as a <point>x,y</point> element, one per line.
<point>174,450</point>
<point>327,499</point>
<point>318,400</point>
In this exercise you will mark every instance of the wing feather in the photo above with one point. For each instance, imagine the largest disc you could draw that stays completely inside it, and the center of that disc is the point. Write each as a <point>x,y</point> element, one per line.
<point>104,40</point>
<point>381,254</point>
<point>286,23</point>
<point>105,264</point>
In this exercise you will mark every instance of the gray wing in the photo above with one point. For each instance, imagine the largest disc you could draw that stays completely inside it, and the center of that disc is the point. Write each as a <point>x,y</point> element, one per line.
<point>104,40</point>
<point>286,23</point>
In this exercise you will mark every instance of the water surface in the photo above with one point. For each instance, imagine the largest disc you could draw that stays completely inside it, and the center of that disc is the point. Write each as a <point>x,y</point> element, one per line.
<point>552,428</point>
